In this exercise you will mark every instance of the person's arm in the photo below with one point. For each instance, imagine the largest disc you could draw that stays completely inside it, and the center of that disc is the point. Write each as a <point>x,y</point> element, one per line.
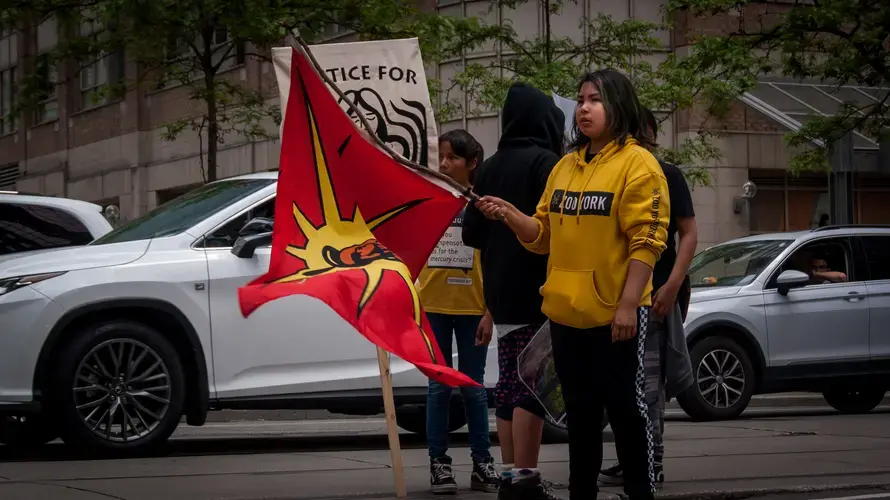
<point>683,213</point>
<point>644,215</point>
<point>532,231</point>
<point>475,224</point>
<point>832,276</point>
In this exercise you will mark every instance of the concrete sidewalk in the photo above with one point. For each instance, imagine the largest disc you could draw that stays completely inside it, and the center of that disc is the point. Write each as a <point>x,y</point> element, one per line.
<point>704,460</point>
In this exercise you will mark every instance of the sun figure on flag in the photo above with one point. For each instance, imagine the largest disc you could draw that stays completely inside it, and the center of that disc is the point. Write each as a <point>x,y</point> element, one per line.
<point>346,243</point>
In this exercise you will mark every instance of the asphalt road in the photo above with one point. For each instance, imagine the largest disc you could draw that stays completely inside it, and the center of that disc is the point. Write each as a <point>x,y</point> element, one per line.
<point>775,455</point>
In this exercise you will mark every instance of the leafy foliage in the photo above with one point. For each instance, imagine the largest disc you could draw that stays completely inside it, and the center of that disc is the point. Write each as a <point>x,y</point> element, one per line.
<point>554,62</point>
<point>196,44</point>
<point>837,42</point>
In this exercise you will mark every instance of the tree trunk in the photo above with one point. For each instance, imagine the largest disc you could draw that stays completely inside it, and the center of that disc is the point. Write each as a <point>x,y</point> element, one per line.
<point>547,50</point>
<point>212,115</point>
<point>212,129</point>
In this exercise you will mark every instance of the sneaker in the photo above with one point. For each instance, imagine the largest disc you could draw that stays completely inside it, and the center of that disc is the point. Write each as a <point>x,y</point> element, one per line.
<point>505,488</point>
<point>613,476</point>
<point>532,488</point>
<point>442,477</point>
<point>485,476</point>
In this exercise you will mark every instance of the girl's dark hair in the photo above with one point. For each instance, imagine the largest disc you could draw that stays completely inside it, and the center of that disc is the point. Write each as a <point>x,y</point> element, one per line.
<point>651,122</point>
<point>466,146</point>
<point>625,115</point>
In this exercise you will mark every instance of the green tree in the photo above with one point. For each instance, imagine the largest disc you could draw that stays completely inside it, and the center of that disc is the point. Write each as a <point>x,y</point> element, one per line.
<point>193,44</point>
<point>554,62</point>
<point>837,42</point>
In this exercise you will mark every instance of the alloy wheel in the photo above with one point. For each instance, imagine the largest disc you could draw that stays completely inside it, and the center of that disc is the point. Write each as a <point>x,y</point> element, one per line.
<point>720,378</point>
<point>122,390</point>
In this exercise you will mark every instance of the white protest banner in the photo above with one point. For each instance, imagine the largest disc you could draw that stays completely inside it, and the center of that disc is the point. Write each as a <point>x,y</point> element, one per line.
<point>386,80</point>
<point>567,106</point>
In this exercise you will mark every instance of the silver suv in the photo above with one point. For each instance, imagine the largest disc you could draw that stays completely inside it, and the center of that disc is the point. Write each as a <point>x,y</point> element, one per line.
<point>803,311</point>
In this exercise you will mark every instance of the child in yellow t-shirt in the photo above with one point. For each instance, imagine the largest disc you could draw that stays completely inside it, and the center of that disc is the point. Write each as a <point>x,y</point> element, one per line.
<point>450,288</point>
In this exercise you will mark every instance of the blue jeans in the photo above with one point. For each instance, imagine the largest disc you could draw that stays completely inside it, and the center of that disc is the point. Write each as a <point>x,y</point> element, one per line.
<point>471,361</point>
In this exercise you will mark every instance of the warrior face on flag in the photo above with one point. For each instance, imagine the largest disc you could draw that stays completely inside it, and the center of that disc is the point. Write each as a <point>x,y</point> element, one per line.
<point>353,228</point>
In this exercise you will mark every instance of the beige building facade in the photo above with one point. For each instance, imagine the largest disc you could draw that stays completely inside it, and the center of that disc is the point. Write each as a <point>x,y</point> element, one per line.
<point>114,152</point>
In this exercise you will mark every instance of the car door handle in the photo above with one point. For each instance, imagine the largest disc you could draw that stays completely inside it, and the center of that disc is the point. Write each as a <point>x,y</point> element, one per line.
<point>853,297</point>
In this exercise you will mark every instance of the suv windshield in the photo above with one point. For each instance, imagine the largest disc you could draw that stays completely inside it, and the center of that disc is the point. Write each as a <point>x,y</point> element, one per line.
<point>184,212</point>
<point>734,264</point>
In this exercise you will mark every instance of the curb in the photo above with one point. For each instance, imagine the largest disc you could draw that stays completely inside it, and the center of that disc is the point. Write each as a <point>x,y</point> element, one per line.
<point>742,493</point>
<point>733,494</point>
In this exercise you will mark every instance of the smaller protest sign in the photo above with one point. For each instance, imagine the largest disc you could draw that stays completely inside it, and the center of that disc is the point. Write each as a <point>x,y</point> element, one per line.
<point>450,252</point>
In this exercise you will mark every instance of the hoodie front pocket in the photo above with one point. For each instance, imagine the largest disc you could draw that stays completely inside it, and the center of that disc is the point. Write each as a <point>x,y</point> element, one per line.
<point>571,299</point>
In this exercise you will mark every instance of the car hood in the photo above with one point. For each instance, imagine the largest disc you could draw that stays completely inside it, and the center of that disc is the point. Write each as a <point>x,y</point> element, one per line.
<point>29,253</point>
<point>705,294</point>
<point>74,259</point>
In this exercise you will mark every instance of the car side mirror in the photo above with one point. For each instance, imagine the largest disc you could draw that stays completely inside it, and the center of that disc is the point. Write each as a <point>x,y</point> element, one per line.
<point>257,225</point>
<point>245,246</point>
<point>791,279</point>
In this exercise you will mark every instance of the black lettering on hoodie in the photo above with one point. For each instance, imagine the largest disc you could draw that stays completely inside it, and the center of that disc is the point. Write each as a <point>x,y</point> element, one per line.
<point>590,202</point>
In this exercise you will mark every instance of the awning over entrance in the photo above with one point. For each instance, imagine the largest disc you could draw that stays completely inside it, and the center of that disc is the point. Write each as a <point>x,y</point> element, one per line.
<point>794,103</point>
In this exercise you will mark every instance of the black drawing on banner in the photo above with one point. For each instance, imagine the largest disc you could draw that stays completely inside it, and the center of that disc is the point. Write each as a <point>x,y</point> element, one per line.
<point>401,126</point>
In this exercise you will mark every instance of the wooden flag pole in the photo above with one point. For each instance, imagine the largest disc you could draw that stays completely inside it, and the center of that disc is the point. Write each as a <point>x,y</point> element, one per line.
<point>392,430</point>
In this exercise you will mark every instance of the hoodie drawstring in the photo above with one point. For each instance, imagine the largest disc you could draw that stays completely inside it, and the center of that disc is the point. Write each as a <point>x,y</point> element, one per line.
<point>565,195</point>
<point>599,157</point>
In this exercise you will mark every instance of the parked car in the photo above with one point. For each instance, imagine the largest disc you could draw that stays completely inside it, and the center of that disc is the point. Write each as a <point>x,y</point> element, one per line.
<point>110,344</point>
<point>30,224</point>
<point>801,311</point>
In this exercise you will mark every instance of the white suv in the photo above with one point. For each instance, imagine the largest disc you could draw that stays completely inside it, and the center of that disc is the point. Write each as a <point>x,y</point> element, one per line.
<point>32,224</point>
<point>110,344</point>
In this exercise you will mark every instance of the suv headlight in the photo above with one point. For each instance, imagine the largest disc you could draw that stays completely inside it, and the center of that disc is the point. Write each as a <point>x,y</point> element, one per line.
<point>9,284</point>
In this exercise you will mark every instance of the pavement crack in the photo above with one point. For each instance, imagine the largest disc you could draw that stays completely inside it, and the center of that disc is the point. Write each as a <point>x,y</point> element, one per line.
<point>349,459</point>
<point>75,488</point>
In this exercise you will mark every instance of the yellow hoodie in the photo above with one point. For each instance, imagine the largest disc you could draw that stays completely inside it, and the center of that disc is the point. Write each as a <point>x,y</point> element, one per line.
<point>622,214</point>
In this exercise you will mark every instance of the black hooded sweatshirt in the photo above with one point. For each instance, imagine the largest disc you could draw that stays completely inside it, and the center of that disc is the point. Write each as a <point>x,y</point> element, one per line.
<point>530,146</point>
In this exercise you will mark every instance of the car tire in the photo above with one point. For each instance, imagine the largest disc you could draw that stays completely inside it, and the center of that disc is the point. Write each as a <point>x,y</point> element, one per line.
<point>851,401</point>
<point>120,388</point>
<point>412,418</point>
<point>724,380</point>
<point>26,431</point>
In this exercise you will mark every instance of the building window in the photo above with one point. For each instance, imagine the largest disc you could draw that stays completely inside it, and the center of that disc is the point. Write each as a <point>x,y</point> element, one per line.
<point>787,203</point>
<point>100,71</point>
<point>9,56</point>
<point>46,71</point>
<point>9,174</point>
<point>225,52</point>
<point>871,198</point>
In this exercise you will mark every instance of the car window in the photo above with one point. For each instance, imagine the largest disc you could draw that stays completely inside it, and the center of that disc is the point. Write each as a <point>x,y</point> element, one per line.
<point>877,255</point>
<point>734,264</point>
<point>825,261</point>
<point>26,227</point>
<point>225,236</point>
<point>183,212</point>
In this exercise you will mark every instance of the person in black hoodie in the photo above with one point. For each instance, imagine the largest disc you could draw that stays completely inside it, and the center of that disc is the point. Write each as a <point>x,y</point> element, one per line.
<point>531,144</point>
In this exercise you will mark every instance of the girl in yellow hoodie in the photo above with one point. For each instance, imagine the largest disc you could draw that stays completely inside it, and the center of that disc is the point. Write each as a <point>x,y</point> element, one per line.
<point>603,219</point>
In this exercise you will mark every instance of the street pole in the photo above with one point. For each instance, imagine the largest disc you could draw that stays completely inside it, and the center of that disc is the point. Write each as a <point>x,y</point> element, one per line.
<point>840,180</point>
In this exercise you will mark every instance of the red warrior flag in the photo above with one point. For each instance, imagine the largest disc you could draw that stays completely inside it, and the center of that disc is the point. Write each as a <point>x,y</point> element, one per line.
<point>334,189</point>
